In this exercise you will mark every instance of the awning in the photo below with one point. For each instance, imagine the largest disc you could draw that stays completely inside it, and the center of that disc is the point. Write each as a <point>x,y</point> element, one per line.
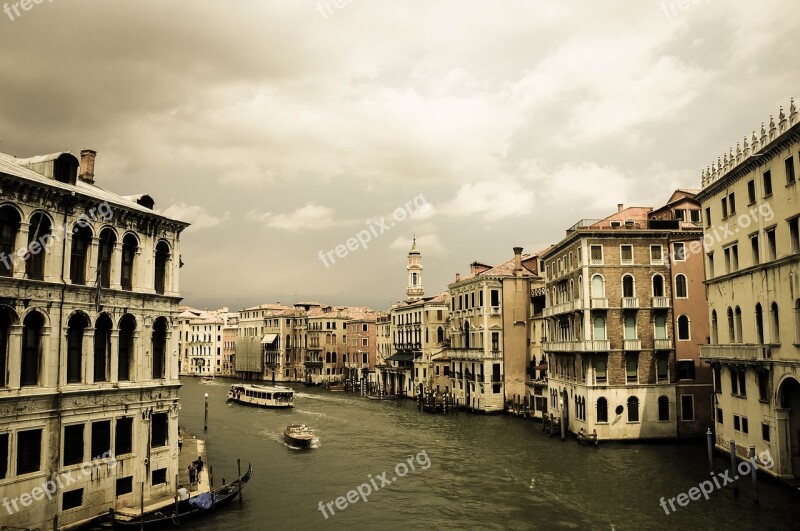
<point>402,356</point>
<point>269,339</point>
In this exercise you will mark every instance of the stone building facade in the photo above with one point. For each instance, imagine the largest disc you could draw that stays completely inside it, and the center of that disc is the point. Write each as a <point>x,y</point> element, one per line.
<point>88,357</point>
<point>751,201</point>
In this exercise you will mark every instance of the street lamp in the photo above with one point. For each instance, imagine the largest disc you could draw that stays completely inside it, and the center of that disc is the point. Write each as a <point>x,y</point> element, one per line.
<point>205,421</point>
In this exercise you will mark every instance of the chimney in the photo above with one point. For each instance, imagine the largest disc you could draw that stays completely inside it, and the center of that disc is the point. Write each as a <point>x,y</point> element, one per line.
<point>517,258</point>
<point>87,166</point>
<point>458,277</point>
<point>620,207</point>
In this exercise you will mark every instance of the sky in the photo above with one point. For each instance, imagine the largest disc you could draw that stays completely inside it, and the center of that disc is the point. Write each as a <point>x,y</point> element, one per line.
<point>283,129</point>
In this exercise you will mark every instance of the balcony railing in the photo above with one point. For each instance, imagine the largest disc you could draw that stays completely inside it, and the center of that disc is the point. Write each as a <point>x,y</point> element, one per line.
<point>735,352</point>
<point>599,303</point>
<point>662,344</point>
<point>632,344</point>
<point>630,303</point>
<point>471,353</point>
<point>660,302</point>
<point>495,310</point>
<point>559,346</point>
<point>593,345</point>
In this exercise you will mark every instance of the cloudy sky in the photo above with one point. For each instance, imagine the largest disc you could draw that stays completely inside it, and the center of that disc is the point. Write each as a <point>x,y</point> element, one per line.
<point>282,128</point>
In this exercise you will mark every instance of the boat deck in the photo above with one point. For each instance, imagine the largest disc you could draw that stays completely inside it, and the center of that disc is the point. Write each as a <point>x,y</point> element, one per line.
<point>192,447</point>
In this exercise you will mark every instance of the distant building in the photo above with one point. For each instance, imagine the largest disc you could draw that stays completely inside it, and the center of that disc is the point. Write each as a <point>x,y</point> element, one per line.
<point>88,358</point>
<point>200,341</point>
<point>361,348</point>
<point>751,201</point>
<point>490,332</point>
<point>229,332</point>
<point>623,337</point>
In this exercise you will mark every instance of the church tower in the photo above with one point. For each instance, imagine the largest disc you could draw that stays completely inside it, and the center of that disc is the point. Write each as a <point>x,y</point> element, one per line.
<point>414,291</point>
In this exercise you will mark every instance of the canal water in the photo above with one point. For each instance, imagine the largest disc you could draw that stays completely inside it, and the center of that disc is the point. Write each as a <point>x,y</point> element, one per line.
<point>470,471</point>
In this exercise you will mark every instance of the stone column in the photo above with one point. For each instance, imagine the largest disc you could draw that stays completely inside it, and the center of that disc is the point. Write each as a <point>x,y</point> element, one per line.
<point>91,259</point>
<point>68,250</point>
<point>783,458</point>
<point>135,362</point>
<point>113,359</point>
<point>116,266</point>
<point>14,356</point>
<point>47,365</point>
<point>87,355</point>
<point>20,243</point>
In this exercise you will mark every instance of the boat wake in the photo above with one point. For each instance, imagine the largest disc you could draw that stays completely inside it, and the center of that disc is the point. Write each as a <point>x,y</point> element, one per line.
<point>315,413</point>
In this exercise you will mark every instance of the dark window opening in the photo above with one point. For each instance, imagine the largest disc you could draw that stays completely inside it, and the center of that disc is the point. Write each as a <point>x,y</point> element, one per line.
<point>123,438</point>
<point>31,346</point>
<point>75,328</point>
<point>72,499</point>
<point>9,226</point>
<point>129,246</point>
<point>101,439</point>
<point>159,476</point>
<point>81,239</point>
<point>124,486</point>
<point>38,238</point>
<point>102,348</point>
<point>73,444</point>
<point>29,451</point>
<point>160,430</point>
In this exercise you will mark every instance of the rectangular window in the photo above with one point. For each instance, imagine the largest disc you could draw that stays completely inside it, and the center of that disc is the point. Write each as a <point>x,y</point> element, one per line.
<point>680,214</point>
<point>124,486</point>
<point>734,381</point>
<point>794,234</point>
<point>724,207</point>
<point>765,431</point>
<point>763,386</point>
<point>101,439</point>
<point>3,455</point>
<point>687,407</point>
<point>732,203</point>
<point>73,444</point>
<point>754,248</point>
<point>159,476</point>
<point>678,252</point>
<point>767,183</point>
<point>717,379</point>
<point>694,216</point>
<point>495,296</point>
<point>708,217</point>
<point>790,170</point>
<point>745,427</point>
<point>711,265</point>
<point>751,191</point>
<point>737,423</point>
<point>719,416</point>
<point>656,254</point>
<point>685,369</point>
<point>626,254</point>
<point>29,451</point>
<point>160,430</point>
<point>742,382</point>
<point>364,327</point>
<point>772,248</point>
<point>72,499</point>
<point>596,255</point>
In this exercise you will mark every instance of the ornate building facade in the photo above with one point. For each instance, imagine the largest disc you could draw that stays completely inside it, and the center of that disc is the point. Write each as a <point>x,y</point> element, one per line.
<point>88,360</point>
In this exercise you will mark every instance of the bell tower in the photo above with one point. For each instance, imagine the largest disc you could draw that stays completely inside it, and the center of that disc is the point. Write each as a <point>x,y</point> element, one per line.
<point>414,291</point>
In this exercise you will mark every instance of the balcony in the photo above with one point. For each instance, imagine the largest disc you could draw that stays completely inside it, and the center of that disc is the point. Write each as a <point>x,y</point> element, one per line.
<point>593,345</point>
<point>660,302</point>
<point>495,310</point>
<point>630,303</point>
<point>599,303</point>
<point>632,344</point>
<point>662,344</point>
<point>559,346</point>
<point>471,353</point>
<point>735,352</point>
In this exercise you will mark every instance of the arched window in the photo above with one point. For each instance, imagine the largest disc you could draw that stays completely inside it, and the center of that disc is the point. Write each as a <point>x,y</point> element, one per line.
<point>598,288</point>
<point>681,291</point>
<point>759,324</point>
<point>39,239</point>
<point>440,335</point>
<point>599,327</point>
<point>75,330</point>
<point>662,370</point>
<point>129,247</point>
<point>632,368</point>
<point>6,320</point>
<point>159,348</point>
<point>663,408</point>
<point>9,226</point>
<point>633,409</point>
<point>81,239</point>
<point>738,322</point>
<point>107,241</point>
<point>102,348</point>
<point>714,328</point>
<point>658,286</point>
<point>333,357</point>
<point>775,328</point>
<point>630,327</point>
<point>731,327</point>
<point>628,286</point>
<point>600,371</point>
<point>162,259</point>
<point>32,329</point>
<point>333,339</point>
<point>660,327</point>
<point>127,328</point>
<point>327,357</point>
<point>683,328</point>
<point>602,409</point>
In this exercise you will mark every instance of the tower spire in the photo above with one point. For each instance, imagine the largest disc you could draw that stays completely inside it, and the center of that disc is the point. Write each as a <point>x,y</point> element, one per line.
<point>414,290</point>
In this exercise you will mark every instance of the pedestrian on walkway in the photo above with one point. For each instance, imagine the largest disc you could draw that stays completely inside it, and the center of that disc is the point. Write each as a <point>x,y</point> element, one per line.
<point>192,474</point>
<point>180,444</point>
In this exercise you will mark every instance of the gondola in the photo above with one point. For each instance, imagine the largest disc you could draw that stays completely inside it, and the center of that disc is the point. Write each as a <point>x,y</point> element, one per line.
<point>186,509</point>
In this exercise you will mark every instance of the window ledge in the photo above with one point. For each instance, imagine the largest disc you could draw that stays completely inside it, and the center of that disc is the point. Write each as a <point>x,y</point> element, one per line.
<point>633,422</point>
